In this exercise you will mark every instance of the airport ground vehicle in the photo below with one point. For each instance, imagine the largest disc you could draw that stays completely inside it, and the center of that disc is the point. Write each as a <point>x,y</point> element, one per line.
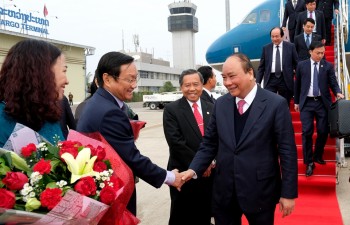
<point>159,100</point>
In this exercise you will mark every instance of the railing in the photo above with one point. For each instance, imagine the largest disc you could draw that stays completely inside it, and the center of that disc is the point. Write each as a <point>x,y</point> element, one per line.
<point>342,73</point>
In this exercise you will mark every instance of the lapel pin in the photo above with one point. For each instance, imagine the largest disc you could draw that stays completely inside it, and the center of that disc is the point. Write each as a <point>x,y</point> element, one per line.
<point>208,113</point>
<point>321,65</point>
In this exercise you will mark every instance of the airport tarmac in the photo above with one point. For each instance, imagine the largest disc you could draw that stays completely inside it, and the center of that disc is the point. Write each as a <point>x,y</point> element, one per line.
<point>153,204</point>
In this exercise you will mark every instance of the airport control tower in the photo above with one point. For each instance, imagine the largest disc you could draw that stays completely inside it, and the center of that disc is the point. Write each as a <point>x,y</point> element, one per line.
<point>183,24</point>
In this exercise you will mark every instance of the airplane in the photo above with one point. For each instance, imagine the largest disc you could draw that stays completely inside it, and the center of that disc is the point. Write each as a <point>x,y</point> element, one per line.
<point>251,35</point>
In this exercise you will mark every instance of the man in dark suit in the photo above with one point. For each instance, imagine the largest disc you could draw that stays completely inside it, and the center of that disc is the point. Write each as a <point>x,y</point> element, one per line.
<point>312,98</point>
<point>67,119</point>
<point>311,12</point>
<point>117,78</point>
<point>278,72</point>
<point>291,11</point>
<point>209,83</point>
<point>326,6</point>
<point>303,40</point>
<point>250,134</point>
<point>184,134</point>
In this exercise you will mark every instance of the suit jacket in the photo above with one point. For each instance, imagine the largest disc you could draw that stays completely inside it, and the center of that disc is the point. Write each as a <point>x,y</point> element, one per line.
<point>326,6</point>
<point>182,132</point>
<point>291,13</point>
<point>206,97</point>
<point>289,63</point>
<point>320,23</point>
<point>67,118</point>
<point>103,114</point>
<point>300,45</point>
<point>251,165</point>
<point>326,81</point>
<point>193,204</point>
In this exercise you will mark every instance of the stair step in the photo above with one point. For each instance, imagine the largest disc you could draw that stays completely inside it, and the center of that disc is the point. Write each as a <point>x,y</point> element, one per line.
<point>314,182</point>
<point>329,152</point>
<point>299,141</point>
<point>329,169</point>
<point>298,126</point>
<point>295,115</point>
<point>329,48</point>
<point>330,58</point>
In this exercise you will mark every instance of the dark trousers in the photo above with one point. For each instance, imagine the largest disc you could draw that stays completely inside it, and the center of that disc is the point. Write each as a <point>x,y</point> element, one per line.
<point>191,205</point>
<point>278,85</point>
<point>314,109</point>
<point>328,22</point>
<point>132,203</point>
<point>291,35</point>
<point>233,215</point>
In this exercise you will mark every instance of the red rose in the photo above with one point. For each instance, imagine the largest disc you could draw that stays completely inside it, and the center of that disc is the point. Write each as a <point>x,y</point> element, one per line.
<point>8,199</point>
<point>70,144</point>
<point>116,181</point>
<point>108,195</point>
<point>28,150</point>
<point>86,186</point>
<point>50,197</point>
<point>100,166</point>
<point>99,152</point>
<point>71,150</point>
<point>43,167</point>
<point>15,180</point>
<point>69,147</point>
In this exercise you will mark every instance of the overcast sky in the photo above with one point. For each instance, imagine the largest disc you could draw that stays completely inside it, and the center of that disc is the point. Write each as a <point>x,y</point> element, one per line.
<point>100,23</point>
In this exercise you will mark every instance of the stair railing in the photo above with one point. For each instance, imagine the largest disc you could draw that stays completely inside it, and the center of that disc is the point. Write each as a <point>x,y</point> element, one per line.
<point>342,73</point>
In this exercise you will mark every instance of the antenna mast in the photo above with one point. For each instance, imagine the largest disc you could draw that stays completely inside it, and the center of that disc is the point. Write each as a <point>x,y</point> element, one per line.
<point>136,41</point>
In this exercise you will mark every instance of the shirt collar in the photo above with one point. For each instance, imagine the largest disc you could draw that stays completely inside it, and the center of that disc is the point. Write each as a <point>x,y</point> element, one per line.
<point>206,90</point>
<point>120,102</point>
<point>250,96</point>
<point>198,103</point>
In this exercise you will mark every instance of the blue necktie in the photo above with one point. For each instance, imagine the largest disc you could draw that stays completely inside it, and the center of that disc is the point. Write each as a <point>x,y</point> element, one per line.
<point>315,90</point>
<point>278,63</point>
<point>307,40</point>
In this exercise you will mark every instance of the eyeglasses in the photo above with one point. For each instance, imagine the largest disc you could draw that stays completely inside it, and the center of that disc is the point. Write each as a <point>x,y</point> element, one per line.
<point>130,81</point>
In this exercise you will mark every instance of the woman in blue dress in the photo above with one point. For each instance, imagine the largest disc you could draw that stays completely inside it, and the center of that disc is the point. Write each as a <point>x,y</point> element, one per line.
<point>32,81</point>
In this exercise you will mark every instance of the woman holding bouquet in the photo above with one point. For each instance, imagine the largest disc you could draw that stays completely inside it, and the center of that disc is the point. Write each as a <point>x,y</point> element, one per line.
<point>32,81</point>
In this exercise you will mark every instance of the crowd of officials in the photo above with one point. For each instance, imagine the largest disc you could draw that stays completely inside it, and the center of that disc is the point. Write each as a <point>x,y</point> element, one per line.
<point>229,156</point>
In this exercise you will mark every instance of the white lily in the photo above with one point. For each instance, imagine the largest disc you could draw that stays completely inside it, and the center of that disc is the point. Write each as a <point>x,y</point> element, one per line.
<point>81,166</point>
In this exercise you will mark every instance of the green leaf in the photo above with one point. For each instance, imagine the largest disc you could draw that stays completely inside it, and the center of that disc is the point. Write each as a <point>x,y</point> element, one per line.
<point>108,163</point>
<point>54,163</point>
<point>7,157</point>
<point>53,150</point>
<point>52,185</point>
<point>4,169</point>
<point>1,184</point>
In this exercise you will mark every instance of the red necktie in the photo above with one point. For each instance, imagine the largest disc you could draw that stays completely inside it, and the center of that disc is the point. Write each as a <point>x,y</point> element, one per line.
<point>240,106</point>
<point>198,117</point>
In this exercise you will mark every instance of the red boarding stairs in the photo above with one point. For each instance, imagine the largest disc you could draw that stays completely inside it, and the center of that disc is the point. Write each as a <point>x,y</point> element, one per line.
<point>323,174</point>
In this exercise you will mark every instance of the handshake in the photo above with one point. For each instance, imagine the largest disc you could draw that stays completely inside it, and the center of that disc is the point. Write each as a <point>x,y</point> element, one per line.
<point>183,177</point>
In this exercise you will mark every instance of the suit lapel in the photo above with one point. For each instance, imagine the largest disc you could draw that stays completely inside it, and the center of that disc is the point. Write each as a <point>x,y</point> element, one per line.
<point>230,113</point>
<point>189,116</point>
<point>321,70</point>
<point>257,109</point>
<point>269,63</point>
<point>284,53</point>
<point>206,113</point>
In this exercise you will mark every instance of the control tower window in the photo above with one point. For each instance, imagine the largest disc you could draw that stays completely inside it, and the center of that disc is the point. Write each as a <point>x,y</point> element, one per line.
<point>265,15</point>
<point>251,18</point>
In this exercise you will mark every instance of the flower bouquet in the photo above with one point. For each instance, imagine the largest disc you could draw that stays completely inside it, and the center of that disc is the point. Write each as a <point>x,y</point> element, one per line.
<point>81,180</point>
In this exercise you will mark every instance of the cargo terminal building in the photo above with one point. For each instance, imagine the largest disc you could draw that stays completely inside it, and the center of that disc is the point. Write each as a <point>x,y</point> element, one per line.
<point>15,26</point>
